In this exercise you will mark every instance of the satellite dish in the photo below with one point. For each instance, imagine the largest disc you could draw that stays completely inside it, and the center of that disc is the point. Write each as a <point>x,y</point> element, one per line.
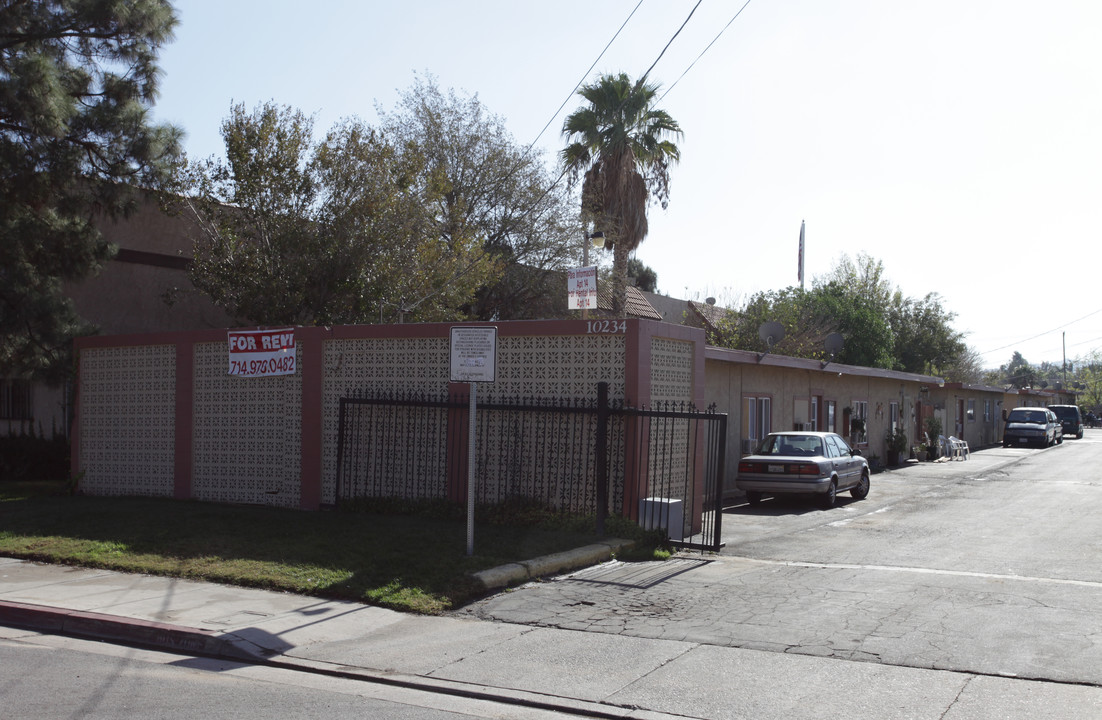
<point>771,333</point>
<point>710,301</point>
<point>834,343</point>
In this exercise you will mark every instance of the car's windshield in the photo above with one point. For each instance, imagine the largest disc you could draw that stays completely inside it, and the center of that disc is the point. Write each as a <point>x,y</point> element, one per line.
<point>1036,417</point>
<point>792,445</point>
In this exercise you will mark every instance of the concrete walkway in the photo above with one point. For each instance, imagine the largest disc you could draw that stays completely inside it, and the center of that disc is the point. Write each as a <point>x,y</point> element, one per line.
<point>592,674</point>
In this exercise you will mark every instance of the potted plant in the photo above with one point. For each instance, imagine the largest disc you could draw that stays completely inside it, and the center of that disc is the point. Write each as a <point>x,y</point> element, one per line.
<point>920,454</point>
<point>933,430</point>
<point>896,444</point>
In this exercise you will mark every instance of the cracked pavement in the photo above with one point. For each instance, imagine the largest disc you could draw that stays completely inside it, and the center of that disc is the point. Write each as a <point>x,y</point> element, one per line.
<point>943,567</point>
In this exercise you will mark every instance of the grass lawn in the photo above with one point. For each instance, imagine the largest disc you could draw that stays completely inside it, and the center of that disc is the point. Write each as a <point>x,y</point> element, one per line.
<point>412,562</point>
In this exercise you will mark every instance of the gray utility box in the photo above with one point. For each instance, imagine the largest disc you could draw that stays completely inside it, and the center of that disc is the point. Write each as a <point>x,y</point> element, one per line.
<point>667,514</point>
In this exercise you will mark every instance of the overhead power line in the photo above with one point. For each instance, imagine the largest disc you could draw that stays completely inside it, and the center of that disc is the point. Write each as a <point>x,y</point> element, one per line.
<point>1044,333</point>
<point>706,49</point>
<point>644,77</point>
<point>564,102</point>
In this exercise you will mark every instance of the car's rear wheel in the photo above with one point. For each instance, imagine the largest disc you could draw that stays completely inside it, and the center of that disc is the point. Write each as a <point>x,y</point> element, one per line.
<point>826,500</point>
<point>861,491</point>
<point>753,497</point>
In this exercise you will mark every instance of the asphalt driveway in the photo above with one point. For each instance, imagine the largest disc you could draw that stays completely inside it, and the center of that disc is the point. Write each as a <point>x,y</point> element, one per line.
<point>986,566</point>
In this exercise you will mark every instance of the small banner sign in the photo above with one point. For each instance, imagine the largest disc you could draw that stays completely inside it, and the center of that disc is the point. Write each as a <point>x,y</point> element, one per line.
<point>262,353</point>
<point>581,288</point>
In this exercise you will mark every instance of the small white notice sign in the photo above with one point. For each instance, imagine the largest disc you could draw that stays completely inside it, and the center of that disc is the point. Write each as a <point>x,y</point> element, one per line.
<point>581,288</point>
<point>473,354</point>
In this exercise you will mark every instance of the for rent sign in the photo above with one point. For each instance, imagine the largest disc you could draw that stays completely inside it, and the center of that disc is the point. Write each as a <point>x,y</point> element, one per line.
<point>262,353</point>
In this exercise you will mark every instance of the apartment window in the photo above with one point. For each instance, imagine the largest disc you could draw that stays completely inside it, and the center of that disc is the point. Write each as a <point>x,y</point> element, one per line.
<point>860,429</point>
<point>987,411</point>
<point>971,411</point>
<point>758,418</point>
<point>893,415</point>
<point>16,400</point>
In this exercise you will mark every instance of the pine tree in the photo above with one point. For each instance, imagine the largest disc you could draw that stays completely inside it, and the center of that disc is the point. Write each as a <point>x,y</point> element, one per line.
<point>77,80</point>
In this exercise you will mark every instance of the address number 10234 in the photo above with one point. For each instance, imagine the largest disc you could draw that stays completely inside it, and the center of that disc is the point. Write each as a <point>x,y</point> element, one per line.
<point>606,326</point>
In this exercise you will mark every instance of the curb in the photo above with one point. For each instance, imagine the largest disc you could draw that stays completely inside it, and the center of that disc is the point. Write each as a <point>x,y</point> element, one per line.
<point>192,641</point>
<point>112,628</point>
<point>519,572</point>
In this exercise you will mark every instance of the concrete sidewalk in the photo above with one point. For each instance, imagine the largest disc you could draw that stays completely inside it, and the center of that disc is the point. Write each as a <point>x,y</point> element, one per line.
<point>591,674</point>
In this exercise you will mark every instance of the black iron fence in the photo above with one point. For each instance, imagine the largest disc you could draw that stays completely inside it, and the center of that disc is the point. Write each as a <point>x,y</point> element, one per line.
<point>662,466</point>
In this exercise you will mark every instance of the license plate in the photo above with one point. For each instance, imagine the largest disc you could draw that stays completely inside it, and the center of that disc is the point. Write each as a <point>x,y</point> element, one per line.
<point>776,468</point>
<point>1023,439</point>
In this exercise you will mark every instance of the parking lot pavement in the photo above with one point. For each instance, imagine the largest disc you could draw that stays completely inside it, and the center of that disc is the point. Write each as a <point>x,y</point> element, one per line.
<point>976,566</point>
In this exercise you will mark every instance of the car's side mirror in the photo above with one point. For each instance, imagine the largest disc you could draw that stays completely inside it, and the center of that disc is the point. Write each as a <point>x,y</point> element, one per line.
<point>854,452</point>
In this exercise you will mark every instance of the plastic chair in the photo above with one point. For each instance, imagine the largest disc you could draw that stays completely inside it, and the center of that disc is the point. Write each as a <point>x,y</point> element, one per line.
<point>960,448</point>
<point>945,448</point>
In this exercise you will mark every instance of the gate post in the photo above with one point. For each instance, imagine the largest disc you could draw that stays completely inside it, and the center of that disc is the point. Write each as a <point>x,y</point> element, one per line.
<point>601,448</point>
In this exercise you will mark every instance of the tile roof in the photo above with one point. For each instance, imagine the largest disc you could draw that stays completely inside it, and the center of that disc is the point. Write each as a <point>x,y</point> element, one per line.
<point>637,305</point>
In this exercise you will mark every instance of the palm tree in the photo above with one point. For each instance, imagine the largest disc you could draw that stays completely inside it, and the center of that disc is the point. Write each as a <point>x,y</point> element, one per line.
<point>621,144</point>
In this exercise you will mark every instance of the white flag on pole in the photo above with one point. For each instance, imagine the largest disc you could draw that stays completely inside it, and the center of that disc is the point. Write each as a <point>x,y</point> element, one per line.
<point>800,272</point>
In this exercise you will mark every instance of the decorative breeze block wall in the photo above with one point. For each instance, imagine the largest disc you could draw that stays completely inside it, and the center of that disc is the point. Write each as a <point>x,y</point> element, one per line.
<point>246,433</point>
<point>127,420</point>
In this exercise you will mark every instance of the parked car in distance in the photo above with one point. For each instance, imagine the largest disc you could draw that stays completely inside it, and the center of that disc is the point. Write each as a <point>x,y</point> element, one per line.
<point>1070,418</point>
<point>1032,426</point>
<point>818,463</point>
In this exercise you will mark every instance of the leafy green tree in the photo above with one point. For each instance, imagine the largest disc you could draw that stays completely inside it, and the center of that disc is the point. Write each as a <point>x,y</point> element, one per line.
<point>966,367</point>
<point>860,321</point>
<point>339,231</point>
<point>495,189</point>
<point>881,327</point>
<point>1018,372</point>
<point>621,144</point>
<point>863,278</point>
<point>925,341</point>
<point>808,318</point>
<point>77,80</point>
<point>805,332</point>
<point>1089,378</point>
<point>646,279</point>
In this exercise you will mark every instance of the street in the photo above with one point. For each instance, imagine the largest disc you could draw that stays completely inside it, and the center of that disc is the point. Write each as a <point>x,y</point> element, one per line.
<point>989,572</point>
<point>48,676</point>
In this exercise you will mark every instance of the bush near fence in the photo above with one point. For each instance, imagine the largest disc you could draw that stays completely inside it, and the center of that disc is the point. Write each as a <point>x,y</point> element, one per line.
<point>29,456</point>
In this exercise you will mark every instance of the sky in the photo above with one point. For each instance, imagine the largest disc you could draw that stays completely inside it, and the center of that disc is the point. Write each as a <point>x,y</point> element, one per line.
<point>956,141</point>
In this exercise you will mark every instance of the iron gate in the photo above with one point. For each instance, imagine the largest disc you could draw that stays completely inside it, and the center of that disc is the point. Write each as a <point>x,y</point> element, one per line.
<point>679,468</point>
<point>663,466</point>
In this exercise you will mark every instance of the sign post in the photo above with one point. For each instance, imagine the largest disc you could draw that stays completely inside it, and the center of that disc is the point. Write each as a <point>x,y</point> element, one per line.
<point>473,360</point>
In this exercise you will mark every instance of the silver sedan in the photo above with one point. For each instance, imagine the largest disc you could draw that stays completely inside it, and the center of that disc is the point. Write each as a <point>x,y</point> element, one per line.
<point>818,463</point>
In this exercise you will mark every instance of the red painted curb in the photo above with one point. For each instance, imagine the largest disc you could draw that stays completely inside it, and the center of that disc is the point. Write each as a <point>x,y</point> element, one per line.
<point>112,628</point>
